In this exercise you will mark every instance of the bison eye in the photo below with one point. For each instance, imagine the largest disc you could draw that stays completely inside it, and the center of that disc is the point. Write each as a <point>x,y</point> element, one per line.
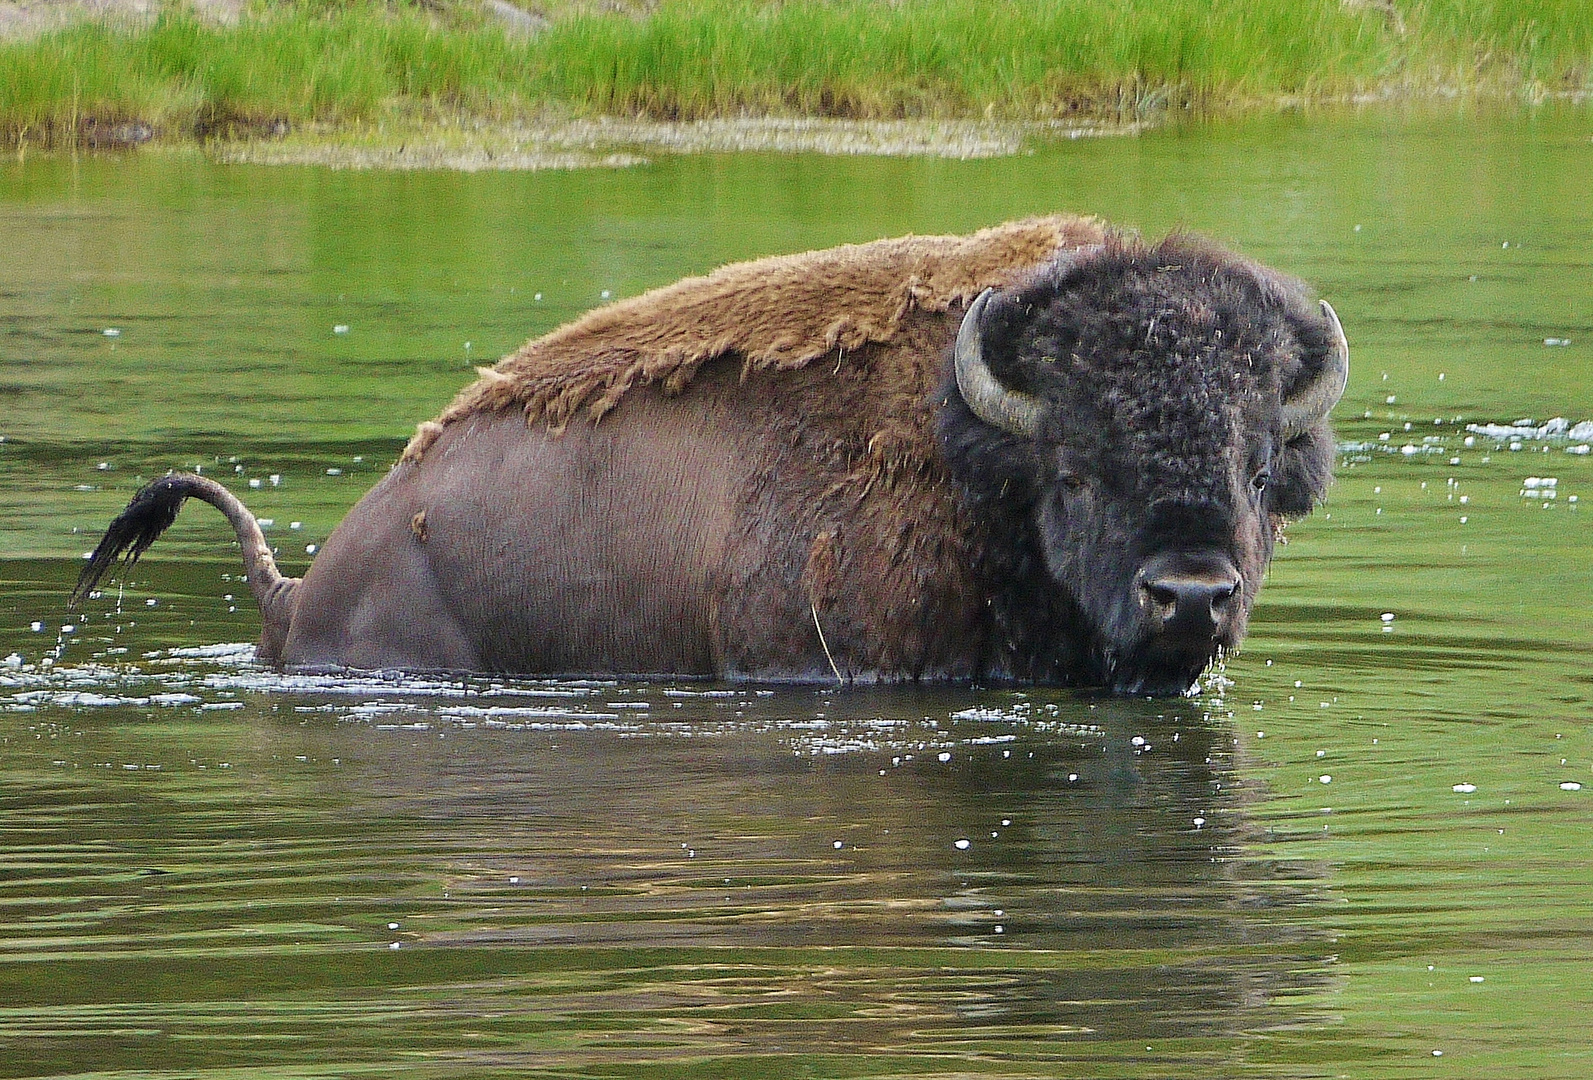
<point>1260,481</point>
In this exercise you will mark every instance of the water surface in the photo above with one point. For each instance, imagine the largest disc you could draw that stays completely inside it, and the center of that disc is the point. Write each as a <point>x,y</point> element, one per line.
<point>1361,850</point>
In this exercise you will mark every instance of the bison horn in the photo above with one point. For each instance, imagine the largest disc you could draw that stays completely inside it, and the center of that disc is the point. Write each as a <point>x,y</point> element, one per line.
<point>1010,410</point>
<point>1316,399</point>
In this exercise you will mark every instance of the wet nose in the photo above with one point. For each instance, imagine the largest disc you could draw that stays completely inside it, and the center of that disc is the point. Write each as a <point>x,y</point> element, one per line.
<point>1188,604</point>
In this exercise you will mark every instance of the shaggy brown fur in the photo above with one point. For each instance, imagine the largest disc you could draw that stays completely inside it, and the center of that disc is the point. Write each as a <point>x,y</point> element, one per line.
<point>778,313</point>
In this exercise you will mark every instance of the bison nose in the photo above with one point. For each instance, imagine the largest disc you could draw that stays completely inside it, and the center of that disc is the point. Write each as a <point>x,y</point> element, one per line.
<point>1188,602</point>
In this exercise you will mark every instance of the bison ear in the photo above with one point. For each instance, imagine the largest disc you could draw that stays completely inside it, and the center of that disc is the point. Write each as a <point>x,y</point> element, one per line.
<point>1012,411</point>
<point>1301,474</point>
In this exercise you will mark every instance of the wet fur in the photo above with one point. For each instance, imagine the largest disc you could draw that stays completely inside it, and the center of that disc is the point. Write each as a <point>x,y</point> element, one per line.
<point>150,513</point>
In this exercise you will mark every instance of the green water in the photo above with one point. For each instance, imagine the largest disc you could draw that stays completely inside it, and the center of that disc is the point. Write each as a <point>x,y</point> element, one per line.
<point>1361,851</point>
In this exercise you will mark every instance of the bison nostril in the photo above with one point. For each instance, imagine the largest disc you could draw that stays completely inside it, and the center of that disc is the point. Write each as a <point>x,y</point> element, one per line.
<point>1163,595</point>
<point>1188,606</point>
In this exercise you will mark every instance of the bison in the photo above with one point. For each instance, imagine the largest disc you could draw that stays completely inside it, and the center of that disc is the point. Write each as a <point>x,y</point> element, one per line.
<point>1046,452</point>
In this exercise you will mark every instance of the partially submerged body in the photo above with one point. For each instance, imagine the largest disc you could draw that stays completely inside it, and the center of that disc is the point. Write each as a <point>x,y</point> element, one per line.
<point>772,473</point>
<point>666,539</point>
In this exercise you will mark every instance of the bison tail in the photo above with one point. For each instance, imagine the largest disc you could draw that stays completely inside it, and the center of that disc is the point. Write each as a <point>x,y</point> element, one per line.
<point>152,511</point>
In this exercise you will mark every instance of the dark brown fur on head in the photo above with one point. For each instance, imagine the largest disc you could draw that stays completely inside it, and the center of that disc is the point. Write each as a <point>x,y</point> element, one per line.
<point>1162,369</point>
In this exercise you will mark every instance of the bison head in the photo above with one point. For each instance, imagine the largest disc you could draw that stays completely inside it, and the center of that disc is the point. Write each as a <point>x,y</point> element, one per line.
<point>1130,428</point>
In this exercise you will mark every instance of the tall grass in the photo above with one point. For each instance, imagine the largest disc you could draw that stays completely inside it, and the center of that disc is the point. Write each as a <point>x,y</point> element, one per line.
<point>1542,43</point>
<point>1019,58</point>
<point>182,73</point>
<point>347,60</point>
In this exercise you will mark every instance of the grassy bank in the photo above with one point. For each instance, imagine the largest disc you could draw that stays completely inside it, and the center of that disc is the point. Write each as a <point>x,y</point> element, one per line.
<point>338,62</point>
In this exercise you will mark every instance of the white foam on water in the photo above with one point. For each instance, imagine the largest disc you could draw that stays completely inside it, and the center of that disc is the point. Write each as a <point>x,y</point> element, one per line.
<point>1557,429</point>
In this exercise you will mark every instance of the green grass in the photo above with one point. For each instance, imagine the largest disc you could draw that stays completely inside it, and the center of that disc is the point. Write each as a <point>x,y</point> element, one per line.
<point>351,61</point>
<point>1541,44</point>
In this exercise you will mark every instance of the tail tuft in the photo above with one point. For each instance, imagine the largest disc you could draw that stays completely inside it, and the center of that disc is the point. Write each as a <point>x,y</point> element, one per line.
<point>150,513</point>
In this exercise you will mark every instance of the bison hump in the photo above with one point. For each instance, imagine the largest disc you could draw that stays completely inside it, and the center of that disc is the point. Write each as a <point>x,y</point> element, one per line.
<point>776,313</point>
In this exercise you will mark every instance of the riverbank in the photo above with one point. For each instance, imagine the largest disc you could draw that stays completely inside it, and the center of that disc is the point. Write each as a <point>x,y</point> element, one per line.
<point>473,145</point>
<point>440,81</point>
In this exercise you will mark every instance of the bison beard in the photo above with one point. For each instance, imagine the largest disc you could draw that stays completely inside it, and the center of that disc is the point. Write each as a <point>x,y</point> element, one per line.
<point>1042,453</point>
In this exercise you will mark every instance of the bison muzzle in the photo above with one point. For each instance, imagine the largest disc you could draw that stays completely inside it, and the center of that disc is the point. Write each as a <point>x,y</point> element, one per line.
<point>1046,452</point>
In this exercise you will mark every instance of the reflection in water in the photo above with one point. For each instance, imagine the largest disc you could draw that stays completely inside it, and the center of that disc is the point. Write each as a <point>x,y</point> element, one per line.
<point>520,873</point>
